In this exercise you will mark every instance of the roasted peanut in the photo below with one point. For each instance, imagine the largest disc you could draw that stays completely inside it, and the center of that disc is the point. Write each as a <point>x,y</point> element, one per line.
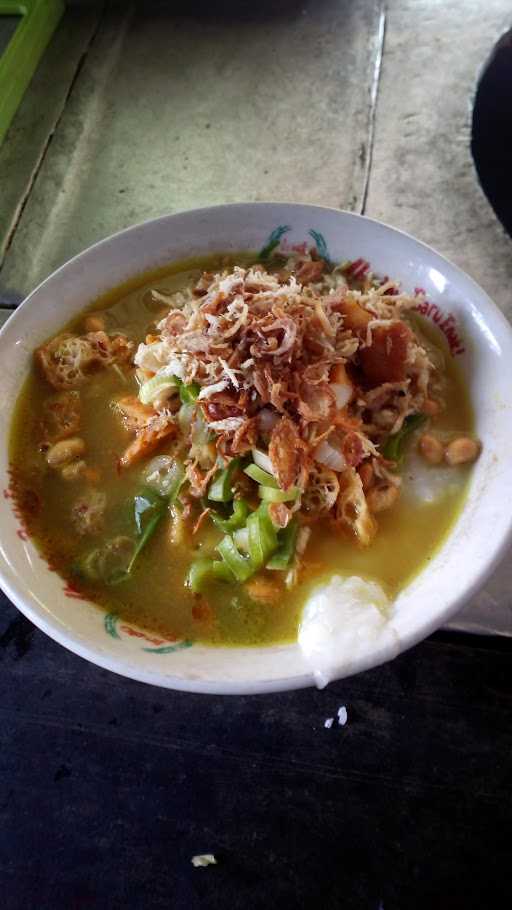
<point>64,451</point>
<point>74,470</point>
<point>381,498</point>
<point>264,590</point>
<point>78,470</point>
<point>94,323</point>
<point>461,451</point>
<point>431,448</point>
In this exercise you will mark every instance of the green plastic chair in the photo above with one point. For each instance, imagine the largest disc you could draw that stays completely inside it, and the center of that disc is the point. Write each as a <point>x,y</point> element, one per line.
<point>38,20</point>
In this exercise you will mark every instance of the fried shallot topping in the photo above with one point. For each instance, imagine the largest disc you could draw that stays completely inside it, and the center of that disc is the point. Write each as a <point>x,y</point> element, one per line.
<point>312,367</point>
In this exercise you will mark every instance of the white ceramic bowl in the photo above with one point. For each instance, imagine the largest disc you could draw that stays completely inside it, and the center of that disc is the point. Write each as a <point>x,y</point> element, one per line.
<point>480,337</point>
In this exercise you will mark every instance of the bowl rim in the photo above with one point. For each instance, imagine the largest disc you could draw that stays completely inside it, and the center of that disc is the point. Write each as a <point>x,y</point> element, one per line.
<point>71,640</point>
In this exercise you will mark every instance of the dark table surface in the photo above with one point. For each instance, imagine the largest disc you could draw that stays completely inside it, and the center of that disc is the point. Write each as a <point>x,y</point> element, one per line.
<point>109,787</point>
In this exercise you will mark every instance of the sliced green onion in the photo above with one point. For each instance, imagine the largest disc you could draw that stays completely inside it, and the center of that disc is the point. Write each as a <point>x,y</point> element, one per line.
<point>189,393</point>
<point>262,460</point>
<point>260,476</point>
<point>269,494</point>
<point>204,570</point>
<point>177,483</point>
<point>241,538</point>
<point>221,487</point>
<point>394,448</point>
<point>152,388</point>
<point>256,547</point>
<point>258,537</point>
<point>262,537</point>
<point>201,449</point>
<point>221,571</point>
<point>185,415</point>
<point>241,566</point>
<point>199,430</point>
<point>286,551</point>
<point>267,528</point>
<point>236,520</point>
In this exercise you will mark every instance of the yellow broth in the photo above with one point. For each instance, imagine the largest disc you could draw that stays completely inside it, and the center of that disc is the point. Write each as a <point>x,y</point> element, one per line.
<point>156,597</point>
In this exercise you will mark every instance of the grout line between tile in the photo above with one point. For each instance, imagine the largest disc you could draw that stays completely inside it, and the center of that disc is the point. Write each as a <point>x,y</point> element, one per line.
<point>374,95</point>
<point>39,163</point>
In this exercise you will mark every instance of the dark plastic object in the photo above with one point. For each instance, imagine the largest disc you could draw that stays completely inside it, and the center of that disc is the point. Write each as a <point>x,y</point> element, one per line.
<point>491,139</point>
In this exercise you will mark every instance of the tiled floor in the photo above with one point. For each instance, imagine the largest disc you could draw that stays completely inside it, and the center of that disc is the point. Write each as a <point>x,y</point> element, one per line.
<point>359,104</point>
